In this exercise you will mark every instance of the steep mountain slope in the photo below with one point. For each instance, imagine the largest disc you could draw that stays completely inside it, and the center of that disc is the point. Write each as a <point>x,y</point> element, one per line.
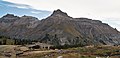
<point>59,29</point>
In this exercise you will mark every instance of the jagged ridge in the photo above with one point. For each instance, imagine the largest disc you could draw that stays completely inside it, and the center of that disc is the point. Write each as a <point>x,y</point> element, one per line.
<point>59,29</point>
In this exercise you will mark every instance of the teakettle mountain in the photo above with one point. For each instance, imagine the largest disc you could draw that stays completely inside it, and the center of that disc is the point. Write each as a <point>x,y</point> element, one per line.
<point>59,29</point>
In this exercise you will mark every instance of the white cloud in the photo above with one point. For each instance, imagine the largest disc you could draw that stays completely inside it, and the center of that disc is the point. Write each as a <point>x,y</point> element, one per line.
<point>78,8</point>
<point>19,6</point>
<point>35,12</point>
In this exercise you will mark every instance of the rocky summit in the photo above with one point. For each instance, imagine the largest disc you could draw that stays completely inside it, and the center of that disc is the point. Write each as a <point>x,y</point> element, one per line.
<point>59,29</point>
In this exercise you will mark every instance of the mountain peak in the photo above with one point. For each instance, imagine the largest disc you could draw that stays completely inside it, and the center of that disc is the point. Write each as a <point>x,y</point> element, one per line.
<point>9,15</point>
<point>59,29</point>
<point>8,18</point>
<point>59,12</point>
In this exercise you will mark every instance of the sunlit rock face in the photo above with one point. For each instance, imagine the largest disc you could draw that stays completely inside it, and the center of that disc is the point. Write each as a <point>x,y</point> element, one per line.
<point>59,29</point>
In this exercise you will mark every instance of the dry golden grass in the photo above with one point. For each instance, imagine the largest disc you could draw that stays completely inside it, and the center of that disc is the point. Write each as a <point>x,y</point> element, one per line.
<point>82,52</point>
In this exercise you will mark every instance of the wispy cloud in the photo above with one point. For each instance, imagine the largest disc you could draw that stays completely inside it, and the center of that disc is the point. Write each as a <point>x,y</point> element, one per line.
<point>20,6</point>
<point>21,9</point>
<point>24,6</point>
<point>36,12</point>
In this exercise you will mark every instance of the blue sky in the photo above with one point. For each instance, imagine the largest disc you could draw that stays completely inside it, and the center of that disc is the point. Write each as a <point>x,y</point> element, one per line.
<point>22,9</point>
<point>108,11</point>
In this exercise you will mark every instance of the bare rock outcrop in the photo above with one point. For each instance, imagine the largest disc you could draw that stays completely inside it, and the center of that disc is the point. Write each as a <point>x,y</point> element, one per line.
<point>59,29</point>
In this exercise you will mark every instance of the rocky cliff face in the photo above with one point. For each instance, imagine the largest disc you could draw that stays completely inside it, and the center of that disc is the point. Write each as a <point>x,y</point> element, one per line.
<point>59,28</point>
